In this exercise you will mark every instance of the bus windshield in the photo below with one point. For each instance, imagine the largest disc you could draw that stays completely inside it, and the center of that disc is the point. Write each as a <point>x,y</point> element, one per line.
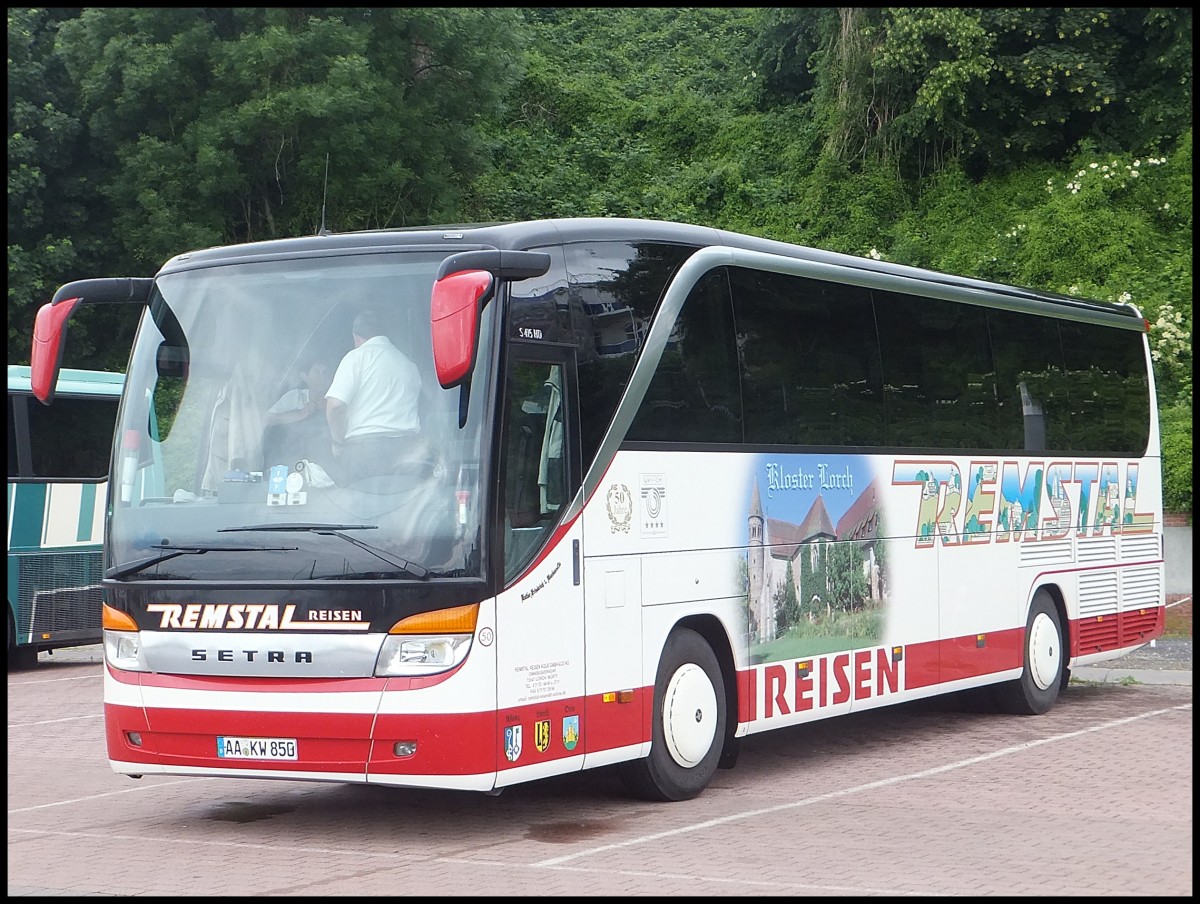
<point>226,468</point>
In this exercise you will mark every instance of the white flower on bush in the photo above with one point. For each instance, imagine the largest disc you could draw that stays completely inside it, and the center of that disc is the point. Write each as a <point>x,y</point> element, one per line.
<point>1108,171</point>
<point>1170,343</point>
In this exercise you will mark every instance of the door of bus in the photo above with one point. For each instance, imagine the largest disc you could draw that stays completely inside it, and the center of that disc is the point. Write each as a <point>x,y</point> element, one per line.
<point>539,614</point>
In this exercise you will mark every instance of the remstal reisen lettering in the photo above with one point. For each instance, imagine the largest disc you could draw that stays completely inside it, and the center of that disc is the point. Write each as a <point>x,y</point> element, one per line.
<point>253,617</point>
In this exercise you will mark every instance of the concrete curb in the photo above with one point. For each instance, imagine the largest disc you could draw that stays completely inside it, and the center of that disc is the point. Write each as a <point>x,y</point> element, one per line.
<point>1141,676</point>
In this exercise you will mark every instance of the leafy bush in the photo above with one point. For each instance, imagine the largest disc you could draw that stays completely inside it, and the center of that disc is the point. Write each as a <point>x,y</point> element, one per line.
<point>1176,428</point>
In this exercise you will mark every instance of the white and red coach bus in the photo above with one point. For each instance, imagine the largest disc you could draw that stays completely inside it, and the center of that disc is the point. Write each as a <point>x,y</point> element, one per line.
<point>672,486</point>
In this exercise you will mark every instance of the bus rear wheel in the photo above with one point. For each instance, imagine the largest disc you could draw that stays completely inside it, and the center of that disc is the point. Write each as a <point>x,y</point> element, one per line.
<point>1042,676</point>
<point>690,714</point>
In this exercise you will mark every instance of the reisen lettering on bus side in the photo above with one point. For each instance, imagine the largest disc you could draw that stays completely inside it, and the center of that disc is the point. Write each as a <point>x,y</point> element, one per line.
<point>252,617</point>
<point>800,685</point>
<point>1004,503</point>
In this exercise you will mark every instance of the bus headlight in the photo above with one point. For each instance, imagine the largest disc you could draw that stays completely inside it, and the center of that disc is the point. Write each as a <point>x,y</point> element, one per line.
<point>427,643</point>
<point>416,654</point>
<point>123,650</point>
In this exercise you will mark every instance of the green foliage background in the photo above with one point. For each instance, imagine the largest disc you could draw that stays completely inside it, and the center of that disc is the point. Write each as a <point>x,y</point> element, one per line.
<point>1049,148</point>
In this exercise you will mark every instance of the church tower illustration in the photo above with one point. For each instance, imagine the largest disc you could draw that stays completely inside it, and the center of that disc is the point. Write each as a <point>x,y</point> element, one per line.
<point>755,530</point>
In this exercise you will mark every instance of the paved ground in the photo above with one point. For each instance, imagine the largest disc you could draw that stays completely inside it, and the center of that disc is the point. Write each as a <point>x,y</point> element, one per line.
<point>1164,661</point>
<point>925,799</point>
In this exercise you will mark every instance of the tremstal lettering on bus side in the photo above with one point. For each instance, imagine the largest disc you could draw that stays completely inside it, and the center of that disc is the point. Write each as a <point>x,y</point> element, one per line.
<point>1002,504</point>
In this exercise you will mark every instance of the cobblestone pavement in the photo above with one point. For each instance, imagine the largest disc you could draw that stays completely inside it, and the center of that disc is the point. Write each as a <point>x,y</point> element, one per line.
<point>1163,661</point>
<point>1164,653</point>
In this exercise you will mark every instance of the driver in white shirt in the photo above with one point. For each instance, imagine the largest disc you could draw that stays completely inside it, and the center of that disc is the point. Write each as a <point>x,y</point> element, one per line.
<point>371,404</point>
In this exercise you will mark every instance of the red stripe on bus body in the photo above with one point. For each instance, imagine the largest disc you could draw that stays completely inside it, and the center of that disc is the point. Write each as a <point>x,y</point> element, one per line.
<point>921,663</point>
<point>474,743</point>
<point>976,655</point>
<point>325,742</point>
<point>612,724</point>
<point>118,720</point>
<point>446,743</point>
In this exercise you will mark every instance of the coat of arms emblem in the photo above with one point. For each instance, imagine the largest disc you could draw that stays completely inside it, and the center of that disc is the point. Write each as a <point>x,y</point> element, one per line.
<point>512,743</point>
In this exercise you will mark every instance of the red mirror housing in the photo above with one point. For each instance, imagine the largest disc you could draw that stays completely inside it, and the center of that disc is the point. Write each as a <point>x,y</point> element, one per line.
<point>454,320</point>
<point>49,330</point>
<point>50,325</point>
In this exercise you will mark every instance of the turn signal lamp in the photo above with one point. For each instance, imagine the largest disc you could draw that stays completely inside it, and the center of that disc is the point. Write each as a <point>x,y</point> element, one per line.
<point>116,620</point>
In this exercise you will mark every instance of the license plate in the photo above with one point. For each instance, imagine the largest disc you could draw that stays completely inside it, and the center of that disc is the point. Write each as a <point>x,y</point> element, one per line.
<point>256,748</point>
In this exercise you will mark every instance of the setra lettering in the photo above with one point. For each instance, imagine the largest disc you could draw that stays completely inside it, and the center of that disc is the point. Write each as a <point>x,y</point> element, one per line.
<point>272,656</point>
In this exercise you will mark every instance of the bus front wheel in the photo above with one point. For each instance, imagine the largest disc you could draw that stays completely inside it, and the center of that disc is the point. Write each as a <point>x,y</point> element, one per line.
<point>688,723</point>
<point>1041,678</point>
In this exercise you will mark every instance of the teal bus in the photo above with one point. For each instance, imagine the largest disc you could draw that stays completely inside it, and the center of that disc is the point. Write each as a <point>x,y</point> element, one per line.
<point>58,462</point>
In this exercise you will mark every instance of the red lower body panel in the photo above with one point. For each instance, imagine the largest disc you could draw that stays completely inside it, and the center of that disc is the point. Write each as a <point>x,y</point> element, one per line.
<point>363,744</point>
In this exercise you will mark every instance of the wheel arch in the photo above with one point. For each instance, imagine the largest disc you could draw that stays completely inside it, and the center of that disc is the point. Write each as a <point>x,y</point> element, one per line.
<point>1058,597</point>
<point>713,631</point>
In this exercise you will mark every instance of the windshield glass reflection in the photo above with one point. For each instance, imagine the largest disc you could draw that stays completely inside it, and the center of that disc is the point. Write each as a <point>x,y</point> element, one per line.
<point>255,404</point>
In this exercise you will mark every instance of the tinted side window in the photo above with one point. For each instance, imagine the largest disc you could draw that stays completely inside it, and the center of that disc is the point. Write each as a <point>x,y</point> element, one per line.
<point>1034,410</point>
<point>1108,387</point>
<point>72,439</point>
<point>938,379</point>
<point>809,360</point>
<point>694,396</point>
<point>538,308</point>
<point>613,292</point>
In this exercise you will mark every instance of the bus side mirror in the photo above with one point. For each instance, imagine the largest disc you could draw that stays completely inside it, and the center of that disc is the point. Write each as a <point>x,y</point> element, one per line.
<point>50,325</point>
<point>454,320</point>
<point>45,358</point>
<point>465,283</point>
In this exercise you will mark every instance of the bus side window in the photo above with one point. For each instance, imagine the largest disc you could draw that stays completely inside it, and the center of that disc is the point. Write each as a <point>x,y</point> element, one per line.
<point>1033,406</point>
<point>809,361</point>
<point>550,464</point>
<point>694,394</point>
<point>535,475</point>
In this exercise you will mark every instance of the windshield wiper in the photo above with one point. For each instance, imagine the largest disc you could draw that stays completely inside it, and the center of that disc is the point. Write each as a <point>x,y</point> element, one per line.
<point>298,525</point>
<point>171,550</point>
<point>335,530</point>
